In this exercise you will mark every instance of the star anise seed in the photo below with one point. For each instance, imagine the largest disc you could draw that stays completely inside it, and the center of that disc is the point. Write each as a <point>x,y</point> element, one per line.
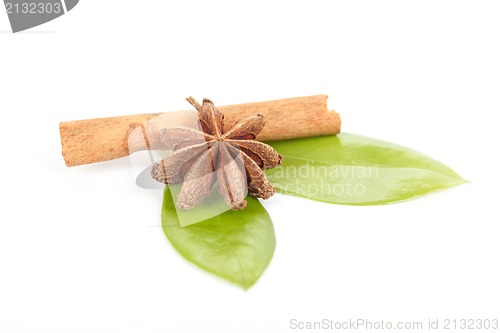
<point>232,158</point>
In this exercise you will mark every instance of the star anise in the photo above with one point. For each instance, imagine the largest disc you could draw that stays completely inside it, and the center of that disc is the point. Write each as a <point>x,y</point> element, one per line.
<point>231,157</point>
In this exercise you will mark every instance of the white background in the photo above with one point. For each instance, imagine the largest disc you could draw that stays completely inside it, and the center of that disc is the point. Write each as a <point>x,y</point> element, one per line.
<point>82,250</point>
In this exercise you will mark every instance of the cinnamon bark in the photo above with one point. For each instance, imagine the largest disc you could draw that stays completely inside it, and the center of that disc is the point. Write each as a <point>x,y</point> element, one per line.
<point>102,139</point>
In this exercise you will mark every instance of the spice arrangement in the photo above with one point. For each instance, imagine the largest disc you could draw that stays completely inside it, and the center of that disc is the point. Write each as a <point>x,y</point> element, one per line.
<point>220,151</point>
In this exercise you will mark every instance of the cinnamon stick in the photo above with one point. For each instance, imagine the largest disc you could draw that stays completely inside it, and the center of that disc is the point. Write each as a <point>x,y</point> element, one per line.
<point>102,139</point>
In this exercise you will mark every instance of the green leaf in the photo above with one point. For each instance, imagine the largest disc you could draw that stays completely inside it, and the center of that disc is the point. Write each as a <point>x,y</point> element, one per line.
<point>235,245</point>
<point>356,170</point>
